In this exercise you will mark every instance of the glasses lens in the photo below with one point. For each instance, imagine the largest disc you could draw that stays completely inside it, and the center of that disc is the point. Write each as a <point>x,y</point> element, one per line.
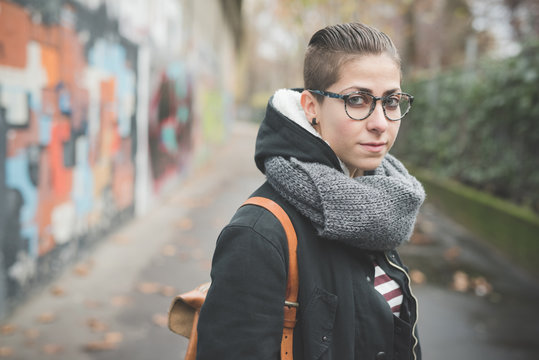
<point>396,106</point>
<point>358,106</point>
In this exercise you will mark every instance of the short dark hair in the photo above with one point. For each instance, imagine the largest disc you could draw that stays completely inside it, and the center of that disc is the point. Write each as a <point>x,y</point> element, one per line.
<point>332,46</point>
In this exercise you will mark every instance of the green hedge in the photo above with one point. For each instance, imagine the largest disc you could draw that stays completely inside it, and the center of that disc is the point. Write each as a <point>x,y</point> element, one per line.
<point>510,228</point>
<point>480,127</point>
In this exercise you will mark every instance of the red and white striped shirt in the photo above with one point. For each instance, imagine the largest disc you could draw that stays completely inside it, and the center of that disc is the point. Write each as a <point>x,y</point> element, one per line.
<point>389,289</point>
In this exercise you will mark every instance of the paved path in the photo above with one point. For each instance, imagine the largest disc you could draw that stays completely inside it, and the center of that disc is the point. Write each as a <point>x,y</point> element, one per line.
<point>113,304</point>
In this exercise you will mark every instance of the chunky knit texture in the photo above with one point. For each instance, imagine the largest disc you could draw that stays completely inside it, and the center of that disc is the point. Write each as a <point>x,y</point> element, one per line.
<point>374,212</point>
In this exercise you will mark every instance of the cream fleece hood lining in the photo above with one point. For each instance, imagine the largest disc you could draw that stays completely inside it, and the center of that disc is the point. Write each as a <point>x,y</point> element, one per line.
<point>288,103</point>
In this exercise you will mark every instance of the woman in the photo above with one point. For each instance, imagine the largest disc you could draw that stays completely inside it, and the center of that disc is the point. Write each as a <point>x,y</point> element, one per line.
<point>324,151</point>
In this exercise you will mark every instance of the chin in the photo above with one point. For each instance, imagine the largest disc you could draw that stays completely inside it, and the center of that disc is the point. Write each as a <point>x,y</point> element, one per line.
<point>370,164</point>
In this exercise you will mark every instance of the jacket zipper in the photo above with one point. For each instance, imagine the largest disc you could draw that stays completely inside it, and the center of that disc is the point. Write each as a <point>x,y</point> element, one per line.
<point>416,340</point>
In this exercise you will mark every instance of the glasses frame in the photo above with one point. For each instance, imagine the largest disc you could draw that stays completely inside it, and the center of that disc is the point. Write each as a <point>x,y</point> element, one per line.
<point>373,104</point>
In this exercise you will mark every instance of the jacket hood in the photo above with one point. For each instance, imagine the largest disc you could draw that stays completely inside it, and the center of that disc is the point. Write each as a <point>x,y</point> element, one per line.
<point>286,132</point>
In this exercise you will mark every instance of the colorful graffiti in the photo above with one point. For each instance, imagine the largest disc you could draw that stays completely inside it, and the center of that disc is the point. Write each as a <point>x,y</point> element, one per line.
<point>67,129</point>
<point>171,124</point>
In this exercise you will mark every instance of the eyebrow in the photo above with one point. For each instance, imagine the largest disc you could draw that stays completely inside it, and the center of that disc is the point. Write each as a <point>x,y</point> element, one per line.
<point>388,92</point>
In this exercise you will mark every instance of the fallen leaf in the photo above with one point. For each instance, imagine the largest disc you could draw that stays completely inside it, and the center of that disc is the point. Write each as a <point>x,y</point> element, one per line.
<point>417,277</point>
<point>168,291</point>
<point>6,351</point>
<point>184,256</point>
<point>184,224</point>
<point>46,318</point>
<point>96,325</point>
<point>109,342</point>
<point>8,329</point>
<point>452,253</point>
<point>188,240</point>
<point>461,281</point>
<point>121,301</point>
<point>57,290</point>
<point>425,226</point>
<point>198,254</point>
<point>121,240</point>
<point>82,269</point>
<point>31,334</point>
<point>114,337</point>
<point>169,250</point>
<point>420,239</point>
<point>99,346</point>
<point>149,287</point>
<point>160,320</point>
<point>53,349</point>
<point>481,286</point>
<point>92,304</point>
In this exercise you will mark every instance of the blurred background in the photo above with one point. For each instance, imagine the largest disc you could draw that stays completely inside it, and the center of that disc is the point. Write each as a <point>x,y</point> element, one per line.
<point>111,108</point>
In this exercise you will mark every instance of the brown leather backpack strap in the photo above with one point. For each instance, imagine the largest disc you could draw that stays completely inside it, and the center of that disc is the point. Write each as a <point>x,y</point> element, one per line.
<point>291,303</point>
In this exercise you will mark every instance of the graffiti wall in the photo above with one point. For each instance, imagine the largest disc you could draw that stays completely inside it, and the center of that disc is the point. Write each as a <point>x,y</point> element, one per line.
<point>102,103</point>
<point>171,124</point>
<point>67,141</point>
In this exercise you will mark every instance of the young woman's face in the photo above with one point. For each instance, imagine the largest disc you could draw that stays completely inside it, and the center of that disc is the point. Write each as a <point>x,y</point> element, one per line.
<point>360,144</point>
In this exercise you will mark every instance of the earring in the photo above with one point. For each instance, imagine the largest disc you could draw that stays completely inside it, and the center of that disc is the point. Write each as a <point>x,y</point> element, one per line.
<point>314,122</point>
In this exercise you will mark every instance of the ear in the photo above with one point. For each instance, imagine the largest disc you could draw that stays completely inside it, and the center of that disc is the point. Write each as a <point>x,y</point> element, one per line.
<point>309,105</point>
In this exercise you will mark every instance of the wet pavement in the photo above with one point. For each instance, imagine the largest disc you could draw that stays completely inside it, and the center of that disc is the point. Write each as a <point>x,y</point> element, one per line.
<point>474,304</point>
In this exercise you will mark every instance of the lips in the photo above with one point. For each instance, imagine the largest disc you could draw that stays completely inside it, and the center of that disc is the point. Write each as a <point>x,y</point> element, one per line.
<point>374,147</point>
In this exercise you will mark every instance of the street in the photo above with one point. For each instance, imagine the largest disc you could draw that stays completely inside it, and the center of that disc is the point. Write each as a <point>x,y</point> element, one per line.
<point>112,304</point>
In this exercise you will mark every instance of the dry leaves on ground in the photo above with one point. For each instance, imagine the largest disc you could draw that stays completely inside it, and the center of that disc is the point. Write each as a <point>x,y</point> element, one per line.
<point>58,291</point>
<point>462,282</point>
<point>184,224</point>
<point>110,341</point>
<point>46,317</point>
<point>83,269</point>
<point>92,304</point>
<point>419,238</point>
<point>154,288</point>
<point>198,254</point>
<point>52,349</point>
<point>96,325</point>
<point>189,241</point>
<point>121,300</point>
<point>160,320</point>
<point>6,351</point>
<point>169,250</point>
<point>149,287</point>
<point>8,329</point>
<point>481,286</point>
<point>121,239</point>
<point>452,253</point>
<point>30,336</point>
<point>168,291</point>
<point>418,277</point>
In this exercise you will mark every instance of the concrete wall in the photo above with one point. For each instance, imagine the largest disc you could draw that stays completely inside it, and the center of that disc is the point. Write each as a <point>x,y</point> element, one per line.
<point>103,105</point>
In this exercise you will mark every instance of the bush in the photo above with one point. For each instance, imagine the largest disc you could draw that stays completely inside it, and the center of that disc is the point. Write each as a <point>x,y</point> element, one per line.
<point>480,127</point>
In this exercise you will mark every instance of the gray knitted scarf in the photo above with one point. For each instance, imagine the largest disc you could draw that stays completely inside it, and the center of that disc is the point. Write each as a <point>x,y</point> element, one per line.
<point>375,212</point>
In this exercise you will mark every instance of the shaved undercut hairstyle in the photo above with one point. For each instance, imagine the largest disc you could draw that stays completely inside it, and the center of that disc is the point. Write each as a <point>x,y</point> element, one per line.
<point>333,46</point>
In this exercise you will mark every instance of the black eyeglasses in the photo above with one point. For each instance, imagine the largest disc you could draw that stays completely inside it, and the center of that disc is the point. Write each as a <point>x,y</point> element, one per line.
<point>359,105</point>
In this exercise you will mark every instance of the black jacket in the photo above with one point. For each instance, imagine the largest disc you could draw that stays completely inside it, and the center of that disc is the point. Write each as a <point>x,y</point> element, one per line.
<point>341,316</point>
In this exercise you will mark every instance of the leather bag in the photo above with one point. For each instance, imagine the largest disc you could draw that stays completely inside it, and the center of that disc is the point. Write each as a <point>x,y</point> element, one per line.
<point>185,308</point>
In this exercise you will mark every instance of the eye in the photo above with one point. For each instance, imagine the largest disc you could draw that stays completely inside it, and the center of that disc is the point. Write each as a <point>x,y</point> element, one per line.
<point>392,102</point>
<point>358,100</point>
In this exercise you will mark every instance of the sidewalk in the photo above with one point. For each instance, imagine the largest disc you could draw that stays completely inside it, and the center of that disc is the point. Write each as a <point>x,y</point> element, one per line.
<point>113,304</point>
<point>474,304</point>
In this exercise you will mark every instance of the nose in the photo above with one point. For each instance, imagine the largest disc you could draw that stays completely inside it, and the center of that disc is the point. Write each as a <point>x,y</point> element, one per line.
<point>377,121</point>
